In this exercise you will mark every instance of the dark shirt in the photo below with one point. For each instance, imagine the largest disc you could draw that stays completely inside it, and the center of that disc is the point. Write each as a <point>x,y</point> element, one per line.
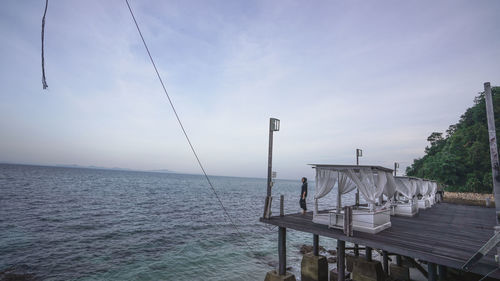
<point>304,189</point>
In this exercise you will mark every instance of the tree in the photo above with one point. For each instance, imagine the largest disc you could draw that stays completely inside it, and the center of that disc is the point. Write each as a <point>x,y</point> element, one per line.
<point>460,159</point>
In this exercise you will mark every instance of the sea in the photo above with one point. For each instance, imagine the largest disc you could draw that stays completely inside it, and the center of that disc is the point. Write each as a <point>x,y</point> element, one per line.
<point>59,223</point>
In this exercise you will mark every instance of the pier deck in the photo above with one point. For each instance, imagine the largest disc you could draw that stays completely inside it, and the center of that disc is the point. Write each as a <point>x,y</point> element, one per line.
<point>446,234</point>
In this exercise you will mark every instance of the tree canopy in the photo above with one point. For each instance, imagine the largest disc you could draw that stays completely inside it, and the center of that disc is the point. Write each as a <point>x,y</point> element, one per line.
<point>461,158</point>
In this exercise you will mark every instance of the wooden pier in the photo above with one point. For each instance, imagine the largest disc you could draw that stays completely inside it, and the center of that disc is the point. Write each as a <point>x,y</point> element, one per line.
<point>446,235</point>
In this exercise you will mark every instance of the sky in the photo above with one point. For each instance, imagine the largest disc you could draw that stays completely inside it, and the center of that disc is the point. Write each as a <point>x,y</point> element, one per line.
<point>340,75</point>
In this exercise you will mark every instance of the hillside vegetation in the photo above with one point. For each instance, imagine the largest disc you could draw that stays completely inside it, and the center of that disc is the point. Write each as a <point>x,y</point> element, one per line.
<point>460,158</point>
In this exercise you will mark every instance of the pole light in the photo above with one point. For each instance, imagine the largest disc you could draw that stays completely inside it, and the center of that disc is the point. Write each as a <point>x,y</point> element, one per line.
<point>274,126</point>
<point>359,153</point>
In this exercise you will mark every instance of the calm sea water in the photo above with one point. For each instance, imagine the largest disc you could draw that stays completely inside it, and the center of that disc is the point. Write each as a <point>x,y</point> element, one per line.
<point>84,224</point>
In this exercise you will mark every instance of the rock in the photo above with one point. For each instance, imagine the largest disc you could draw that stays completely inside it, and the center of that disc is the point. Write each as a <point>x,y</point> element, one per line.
<point>332,252</point>
<point>331,260</point>
<point>272,263</point>
<point>304,249</point>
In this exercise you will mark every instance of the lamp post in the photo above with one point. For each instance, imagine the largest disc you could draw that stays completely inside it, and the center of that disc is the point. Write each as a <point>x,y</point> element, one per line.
<point>396,166</point>
<point>359,153</point>
<point>274,126</point>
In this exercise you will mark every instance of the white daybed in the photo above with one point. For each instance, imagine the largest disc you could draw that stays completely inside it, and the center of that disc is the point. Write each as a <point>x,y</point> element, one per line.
<point>371,181</point>
<point>405,203</point>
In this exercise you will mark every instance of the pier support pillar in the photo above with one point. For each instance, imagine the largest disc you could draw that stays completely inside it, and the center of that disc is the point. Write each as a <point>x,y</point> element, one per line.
<point>368,251</point>
<point>281,274</point>
<point>356,250</point>
<point>282,250</point>
<point>399,272</point>
<point>274,276</point>
<point>367,270</point>
<point>431,269</point>
<point>340,260</point>
<point>314,268</point>
<point>316,244</point>
<point>442,272</point>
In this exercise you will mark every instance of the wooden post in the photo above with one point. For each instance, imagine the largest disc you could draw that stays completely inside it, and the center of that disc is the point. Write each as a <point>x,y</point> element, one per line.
<point>399,261</point>
<point>356,249</point>
<point>316,244</point>
<point>282,250</point>
<point>431,269</point>
<point>368,253</point>
<point>282,205</point>
<point>341,260</point>
<point>493,147</point>
<point>443,272</point>
<point>385,262</point>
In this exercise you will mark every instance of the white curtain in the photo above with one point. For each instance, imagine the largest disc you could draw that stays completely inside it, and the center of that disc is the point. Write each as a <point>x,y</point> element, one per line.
<point>415,183</point>
<point>423,187</point>
<point>390,187</point>
<point>345,184</point>
<point>406,187</point>
<point>326,180</point>
<point>434,188</point>
<point>367,186</point>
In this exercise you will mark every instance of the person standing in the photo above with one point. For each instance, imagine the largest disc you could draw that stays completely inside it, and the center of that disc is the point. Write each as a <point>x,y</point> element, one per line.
<point>303,195</point>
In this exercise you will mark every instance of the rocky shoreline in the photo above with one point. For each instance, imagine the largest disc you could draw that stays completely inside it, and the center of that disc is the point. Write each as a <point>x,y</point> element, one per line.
<point>474,199</point>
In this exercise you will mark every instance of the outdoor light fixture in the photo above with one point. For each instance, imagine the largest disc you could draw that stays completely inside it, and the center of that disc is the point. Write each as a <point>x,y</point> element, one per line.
<point>359,152</point>
<point>275,124</point>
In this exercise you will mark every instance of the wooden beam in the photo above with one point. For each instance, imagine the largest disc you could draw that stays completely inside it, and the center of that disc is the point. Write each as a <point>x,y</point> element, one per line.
<point>368,253</point>
<point>442,272</point>
<point>385,262</point>
<point>431,268</point>
<point>282,205</point>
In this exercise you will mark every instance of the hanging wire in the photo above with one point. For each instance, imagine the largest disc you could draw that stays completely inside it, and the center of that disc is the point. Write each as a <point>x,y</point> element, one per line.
<point>44,81</point>
<point>185,133</point>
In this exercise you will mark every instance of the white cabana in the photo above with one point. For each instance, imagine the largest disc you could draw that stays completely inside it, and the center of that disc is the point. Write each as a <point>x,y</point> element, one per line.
<point>405,204</point>
<point>371,181</point>
<point>423,194</point>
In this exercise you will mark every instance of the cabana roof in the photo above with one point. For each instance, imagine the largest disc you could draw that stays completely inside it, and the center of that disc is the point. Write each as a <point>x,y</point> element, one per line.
<point>356,168</point>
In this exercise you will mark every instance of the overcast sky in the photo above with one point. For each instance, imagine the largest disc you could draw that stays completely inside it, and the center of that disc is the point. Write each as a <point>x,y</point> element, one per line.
<point>341,75</point>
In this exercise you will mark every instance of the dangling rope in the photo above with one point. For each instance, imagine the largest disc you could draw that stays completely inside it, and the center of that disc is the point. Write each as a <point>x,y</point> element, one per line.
<point>184,131</point>
<point>44,81</point>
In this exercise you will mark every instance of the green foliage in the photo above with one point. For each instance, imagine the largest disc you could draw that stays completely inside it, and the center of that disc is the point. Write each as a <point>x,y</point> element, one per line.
<point>461,158</point>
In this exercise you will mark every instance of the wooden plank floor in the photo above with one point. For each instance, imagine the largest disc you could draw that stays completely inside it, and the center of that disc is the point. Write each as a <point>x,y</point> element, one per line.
<point>446,234</point>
